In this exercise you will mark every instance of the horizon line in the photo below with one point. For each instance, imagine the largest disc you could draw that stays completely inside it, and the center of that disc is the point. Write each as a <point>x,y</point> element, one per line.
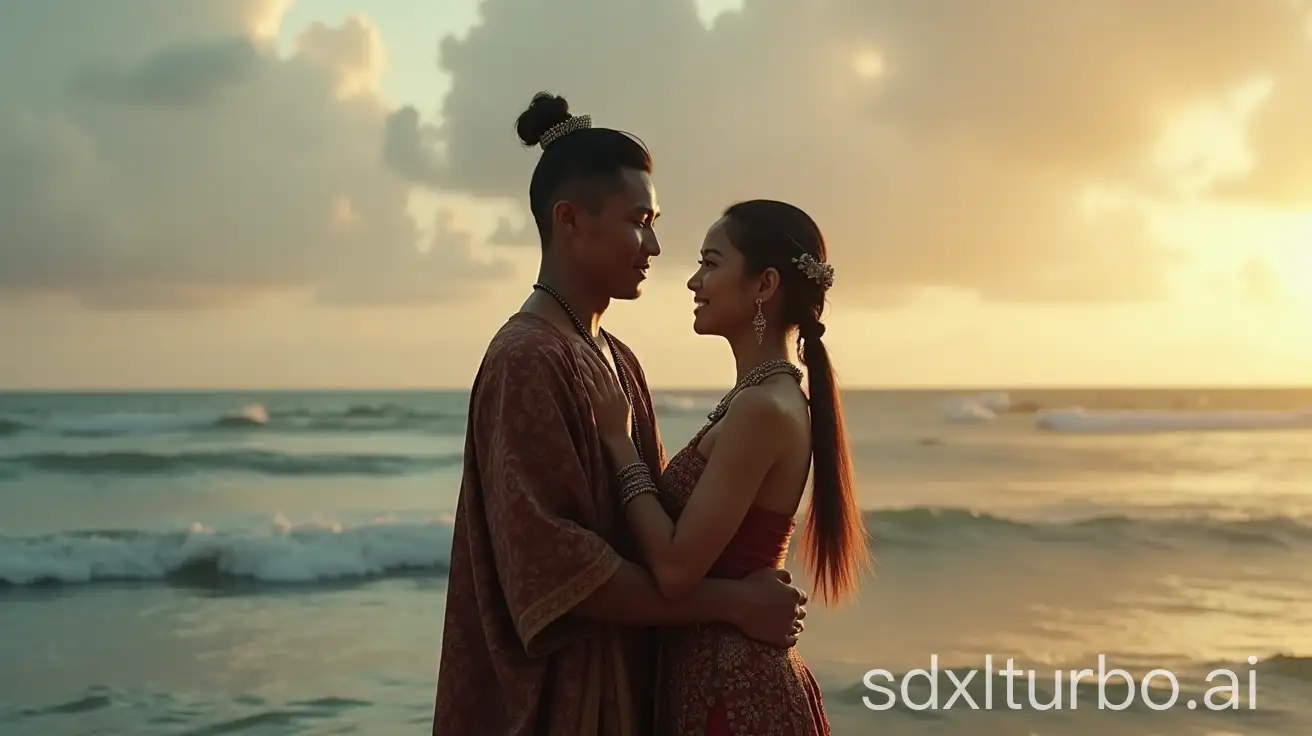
<point>982,387</point>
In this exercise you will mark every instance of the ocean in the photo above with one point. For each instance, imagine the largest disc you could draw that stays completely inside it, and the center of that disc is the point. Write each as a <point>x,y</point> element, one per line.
<point>264,563</point>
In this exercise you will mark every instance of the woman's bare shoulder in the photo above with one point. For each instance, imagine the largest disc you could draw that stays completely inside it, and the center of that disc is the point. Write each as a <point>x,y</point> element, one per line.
<point>771,410</point>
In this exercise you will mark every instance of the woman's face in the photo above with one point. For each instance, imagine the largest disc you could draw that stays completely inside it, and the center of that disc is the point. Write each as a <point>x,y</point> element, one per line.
<point>724,298</point>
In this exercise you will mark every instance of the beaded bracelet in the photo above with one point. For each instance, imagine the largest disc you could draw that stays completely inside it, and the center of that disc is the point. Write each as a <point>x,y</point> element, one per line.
<point>636,487</point>
<point>634,480</point>
<point>630,471</point>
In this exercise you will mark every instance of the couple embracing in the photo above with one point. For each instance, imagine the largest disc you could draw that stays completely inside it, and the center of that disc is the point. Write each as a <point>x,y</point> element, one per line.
<point>597,589</point>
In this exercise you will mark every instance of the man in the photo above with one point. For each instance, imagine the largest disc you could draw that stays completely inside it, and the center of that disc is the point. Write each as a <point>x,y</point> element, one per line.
<point>548,628</point>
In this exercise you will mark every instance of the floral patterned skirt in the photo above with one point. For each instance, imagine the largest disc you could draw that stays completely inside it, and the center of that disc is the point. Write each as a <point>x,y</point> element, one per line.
<point>717,682</point>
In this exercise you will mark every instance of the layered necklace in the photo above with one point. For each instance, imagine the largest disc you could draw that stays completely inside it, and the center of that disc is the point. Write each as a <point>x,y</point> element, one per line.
<point>619,366</point>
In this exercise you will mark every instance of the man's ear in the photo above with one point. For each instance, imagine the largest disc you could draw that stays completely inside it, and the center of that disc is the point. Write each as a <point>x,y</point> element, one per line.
<point>564,216</point>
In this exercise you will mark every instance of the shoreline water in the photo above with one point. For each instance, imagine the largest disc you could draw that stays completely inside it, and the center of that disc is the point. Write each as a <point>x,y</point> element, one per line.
<point>272,563</point>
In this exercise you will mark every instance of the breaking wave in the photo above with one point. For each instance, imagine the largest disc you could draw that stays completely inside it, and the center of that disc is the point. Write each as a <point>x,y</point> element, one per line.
<point>325,552</point>
<point>199,556</point>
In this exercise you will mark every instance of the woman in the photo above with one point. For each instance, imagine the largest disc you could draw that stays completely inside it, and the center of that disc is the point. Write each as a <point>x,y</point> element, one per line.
<point>725,504</point>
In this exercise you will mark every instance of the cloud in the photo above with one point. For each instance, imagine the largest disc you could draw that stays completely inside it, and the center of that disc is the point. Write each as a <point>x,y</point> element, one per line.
<point>181,76</point>
<point>971,146</point>
<point>1278,140</point>
<point>448,270</point>
<point>506,233</point>
<point>164,154</point>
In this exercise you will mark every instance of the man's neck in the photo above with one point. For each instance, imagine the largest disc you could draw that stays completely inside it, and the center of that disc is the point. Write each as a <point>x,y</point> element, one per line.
<point>586,307</point>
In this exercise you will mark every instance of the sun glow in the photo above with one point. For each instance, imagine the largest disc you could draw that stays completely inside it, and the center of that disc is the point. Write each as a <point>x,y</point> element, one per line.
<point>1283,242</point>
<point>1295,270</point>
<point>868,64</point>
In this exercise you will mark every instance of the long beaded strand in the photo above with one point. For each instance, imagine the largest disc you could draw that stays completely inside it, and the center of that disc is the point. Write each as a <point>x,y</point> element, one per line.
<point>619,366</point>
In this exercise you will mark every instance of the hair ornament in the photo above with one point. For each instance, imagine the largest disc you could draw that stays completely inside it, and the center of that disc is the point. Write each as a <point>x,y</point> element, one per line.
<point>564,128</point>
<point>821,273</point>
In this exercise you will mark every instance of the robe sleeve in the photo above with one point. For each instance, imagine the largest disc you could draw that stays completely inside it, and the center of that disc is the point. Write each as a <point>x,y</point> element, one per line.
<point>537,496</point>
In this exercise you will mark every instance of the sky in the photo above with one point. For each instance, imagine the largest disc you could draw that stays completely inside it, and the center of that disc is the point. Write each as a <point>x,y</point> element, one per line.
<point>330,194</point>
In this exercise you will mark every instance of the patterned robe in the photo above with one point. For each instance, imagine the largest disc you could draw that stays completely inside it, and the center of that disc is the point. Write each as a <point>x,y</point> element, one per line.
<point>538,529</point>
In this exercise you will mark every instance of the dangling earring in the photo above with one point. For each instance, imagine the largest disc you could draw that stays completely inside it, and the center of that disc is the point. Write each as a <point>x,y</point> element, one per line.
<point>758,323</point>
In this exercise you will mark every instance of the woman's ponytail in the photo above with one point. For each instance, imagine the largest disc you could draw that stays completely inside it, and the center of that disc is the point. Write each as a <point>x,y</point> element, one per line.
<point>834,542</point>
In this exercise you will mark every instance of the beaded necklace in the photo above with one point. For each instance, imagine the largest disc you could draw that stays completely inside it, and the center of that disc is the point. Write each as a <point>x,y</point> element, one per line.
<point>619,366</point>
<point>754,377</point>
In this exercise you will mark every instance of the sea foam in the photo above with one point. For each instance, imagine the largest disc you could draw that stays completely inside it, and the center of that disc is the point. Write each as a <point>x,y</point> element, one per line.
<point>284,553</point>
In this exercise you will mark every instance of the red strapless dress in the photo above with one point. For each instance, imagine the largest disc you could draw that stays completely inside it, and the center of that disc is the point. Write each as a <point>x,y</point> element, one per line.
<point>714,680</point>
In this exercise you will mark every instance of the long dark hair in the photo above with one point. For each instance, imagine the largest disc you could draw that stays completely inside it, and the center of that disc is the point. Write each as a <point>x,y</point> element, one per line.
<point>585,164</point>
<point>770,234</point>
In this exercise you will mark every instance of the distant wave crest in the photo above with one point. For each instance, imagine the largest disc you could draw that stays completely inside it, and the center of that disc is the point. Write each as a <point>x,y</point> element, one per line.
<point>134,462</point>
<point>119,424</point>
<point>199,556</point>
<point>368,418</point>
<point>975,409</point>
<point>1080,420</point>
<point>250,417</point>
<point>955,527</point>
<point>682,404</point>
<point>983,408</point>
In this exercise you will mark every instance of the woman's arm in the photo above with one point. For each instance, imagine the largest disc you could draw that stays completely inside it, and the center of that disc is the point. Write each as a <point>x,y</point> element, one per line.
<point>680,554</point>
